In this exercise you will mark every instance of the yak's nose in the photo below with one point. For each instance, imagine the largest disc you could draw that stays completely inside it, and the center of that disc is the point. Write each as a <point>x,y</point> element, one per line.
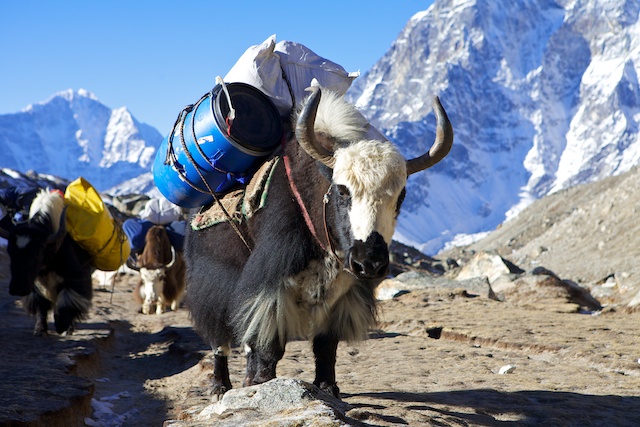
<point>370,259</point>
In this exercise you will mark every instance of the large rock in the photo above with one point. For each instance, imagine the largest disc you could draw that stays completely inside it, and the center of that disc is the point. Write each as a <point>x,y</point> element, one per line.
<point>416,280</point>
<point>489,265</point>
<point>543,289</point>
<point>280,402</point>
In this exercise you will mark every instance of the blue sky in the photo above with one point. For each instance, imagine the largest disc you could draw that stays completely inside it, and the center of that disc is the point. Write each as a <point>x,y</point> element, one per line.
<point>155,57</point>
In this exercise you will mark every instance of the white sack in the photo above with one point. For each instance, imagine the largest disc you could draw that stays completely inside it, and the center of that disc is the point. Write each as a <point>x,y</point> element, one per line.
<point>261,66</point>
<point>160,211</point>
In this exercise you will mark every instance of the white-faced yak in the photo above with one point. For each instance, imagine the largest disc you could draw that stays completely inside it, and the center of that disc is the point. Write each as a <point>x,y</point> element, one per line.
<point>48,267</point>
<point>313,254</point>
<point>161,270</point>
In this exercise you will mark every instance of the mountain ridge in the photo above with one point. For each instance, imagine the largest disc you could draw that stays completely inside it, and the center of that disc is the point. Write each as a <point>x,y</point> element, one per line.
<point>72,134</point>
<point>543,95</point>
<point>532,104</point>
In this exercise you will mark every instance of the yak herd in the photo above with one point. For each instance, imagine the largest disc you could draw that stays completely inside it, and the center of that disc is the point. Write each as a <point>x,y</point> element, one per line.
<point>305,266</point>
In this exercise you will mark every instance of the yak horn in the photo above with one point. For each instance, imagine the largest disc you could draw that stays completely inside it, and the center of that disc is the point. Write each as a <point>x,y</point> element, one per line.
<point>132,264</point>
<point>173,258</point>
<point>305,133</point>
<point>441,146</point>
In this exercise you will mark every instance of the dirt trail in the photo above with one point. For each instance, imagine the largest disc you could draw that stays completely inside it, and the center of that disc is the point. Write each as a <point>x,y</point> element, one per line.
<point>435,360</point>
<point>146,368</point>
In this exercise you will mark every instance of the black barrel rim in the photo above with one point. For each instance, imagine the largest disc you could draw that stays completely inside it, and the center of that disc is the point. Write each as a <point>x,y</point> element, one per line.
<point>257,127</point>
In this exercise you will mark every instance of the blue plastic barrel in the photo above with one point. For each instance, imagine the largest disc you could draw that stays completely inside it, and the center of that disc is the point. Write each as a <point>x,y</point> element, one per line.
<point>205,152</point>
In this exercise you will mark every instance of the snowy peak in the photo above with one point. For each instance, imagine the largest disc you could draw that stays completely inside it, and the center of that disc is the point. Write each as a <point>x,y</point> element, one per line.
<point>542,95</point>
<point>72,134</point>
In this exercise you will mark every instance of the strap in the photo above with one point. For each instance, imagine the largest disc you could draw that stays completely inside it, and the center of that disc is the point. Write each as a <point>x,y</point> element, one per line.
<point>303,208</point>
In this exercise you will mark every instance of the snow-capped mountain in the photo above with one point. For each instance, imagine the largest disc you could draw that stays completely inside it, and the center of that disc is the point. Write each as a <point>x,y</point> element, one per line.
<point>542,95</point>
<point>72,134</point>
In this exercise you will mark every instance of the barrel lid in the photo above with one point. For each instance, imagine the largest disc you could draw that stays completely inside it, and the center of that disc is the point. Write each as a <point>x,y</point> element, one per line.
<point>257,127</point>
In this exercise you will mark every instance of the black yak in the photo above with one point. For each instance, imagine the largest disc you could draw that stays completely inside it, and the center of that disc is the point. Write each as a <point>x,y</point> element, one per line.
<point>48,268</point>
<point>316,251</point>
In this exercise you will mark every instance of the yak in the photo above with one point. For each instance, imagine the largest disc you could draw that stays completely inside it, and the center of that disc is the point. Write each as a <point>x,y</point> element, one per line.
<point>50,269</point>
<point>161,270</point>
<point>309,261</point>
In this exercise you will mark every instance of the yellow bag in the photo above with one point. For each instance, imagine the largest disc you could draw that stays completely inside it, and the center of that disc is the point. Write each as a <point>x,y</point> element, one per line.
<point>90,224</point>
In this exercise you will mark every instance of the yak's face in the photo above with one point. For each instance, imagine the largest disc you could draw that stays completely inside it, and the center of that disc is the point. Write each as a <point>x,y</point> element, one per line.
<point>26,247</point>
<point>153,278</point>
<point>369,178</point>
<point>369,175</point>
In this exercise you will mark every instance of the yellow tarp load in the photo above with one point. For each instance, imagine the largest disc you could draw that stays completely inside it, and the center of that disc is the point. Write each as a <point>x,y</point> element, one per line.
<point>90,224</point>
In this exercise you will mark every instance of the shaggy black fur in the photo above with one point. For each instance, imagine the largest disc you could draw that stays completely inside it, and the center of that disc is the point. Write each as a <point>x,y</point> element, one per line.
<point>222,275</point>
<point>61,266</point>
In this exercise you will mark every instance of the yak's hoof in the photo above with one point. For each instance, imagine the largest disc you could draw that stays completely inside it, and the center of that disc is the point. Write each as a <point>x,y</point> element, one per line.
<point>332,389</point>
<point>68,332</point>
<point>219,390</point>
<point>40,332</point>
<point>260,378</point>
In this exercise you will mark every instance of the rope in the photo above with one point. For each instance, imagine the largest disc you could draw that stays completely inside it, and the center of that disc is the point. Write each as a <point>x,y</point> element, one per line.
<point>202,178</point>
<point>305,212</point>
<point>122,237</point>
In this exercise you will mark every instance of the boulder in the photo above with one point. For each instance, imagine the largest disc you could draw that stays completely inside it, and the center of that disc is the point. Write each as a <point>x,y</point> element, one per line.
<point>279,402</point>
<point>415,280</point>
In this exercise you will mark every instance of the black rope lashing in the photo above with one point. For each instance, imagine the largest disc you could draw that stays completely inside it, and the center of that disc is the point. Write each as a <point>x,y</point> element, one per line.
<point>197,168</point>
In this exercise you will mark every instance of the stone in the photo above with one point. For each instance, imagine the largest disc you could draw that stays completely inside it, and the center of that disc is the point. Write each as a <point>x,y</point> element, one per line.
<point>415,280</point>
<point>281,401</point>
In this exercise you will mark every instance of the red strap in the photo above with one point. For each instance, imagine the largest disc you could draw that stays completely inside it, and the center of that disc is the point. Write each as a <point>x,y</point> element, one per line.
<point>56,191</point>
<point>296,193</point>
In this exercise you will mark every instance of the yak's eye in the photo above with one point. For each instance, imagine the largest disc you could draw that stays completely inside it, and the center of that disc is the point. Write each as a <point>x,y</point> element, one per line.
<point>343,192</point>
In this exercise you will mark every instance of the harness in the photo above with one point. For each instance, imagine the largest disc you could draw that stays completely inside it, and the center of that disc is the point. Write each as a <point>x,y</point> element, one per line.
<point>305,212</point>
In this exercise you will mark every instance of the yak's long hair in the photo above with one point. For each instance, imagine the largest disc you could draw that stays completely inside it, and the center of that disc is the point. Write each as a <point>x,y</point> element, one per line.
<point>47,208</point>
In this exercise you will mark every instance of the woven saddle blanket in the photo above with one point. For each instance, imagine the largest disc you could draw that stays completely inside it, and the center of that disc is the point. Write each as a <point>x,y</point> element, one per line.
<point>238,205</point>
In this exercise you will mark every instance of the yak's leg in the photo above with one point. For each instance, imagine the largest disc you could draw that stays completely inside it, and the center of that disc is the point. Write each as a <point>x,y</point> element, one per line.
<point>160,305</point>
<point>147,292</point>
<point>252,366</point>
<point>175,304</point>
<point>221,380</point>
<point>39,306</point>
<point>324,349</point>
<point>160,301</point>
<point>70,307</point>
<point>266,361</point>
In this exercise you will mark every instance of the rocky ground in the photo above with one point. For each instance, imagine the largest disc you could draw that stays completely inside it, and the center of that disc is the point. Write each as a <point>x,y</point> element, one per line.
<point>436,359</point>
<point>488,343</point>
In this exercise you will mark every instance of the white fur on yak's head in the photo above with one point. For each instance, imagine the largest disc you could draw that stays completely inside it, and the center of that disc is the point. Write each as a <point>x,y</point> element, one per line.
<point>153,275</point>
<point>28,242</point>
<point>369,175</point>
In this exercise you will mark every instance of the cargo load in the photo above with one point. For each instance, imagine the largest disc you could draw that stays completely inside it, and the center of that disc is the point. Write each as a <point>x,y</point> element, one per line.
<point>91,225</point>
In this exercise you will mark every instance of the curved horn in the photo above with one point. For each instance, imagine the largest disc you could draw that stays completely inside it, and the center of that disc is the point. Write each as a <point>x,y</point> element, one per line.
<point>305,133</point>
<point>440,147</point>
<point>173,258</point>
<point>132,264</point>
